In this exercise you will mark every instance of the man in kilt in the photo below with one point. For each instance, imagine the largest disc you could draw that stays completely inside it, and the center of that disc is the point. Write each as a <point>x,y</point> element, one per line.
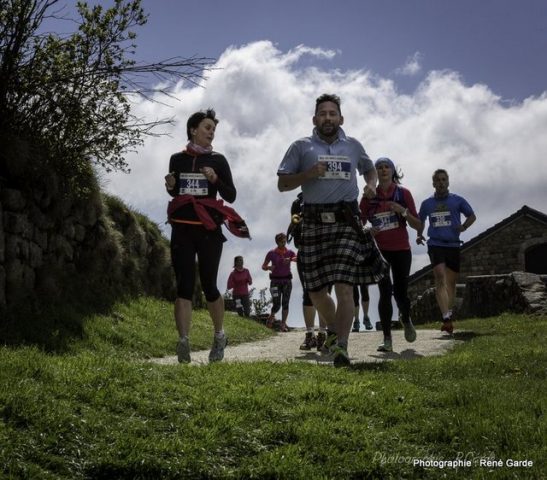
<point>334,249</point>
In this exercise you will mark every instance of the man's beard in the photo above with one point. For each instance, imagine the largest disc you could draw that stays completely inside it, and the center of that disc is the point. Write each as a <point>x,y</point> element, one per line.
<point>328,130</point>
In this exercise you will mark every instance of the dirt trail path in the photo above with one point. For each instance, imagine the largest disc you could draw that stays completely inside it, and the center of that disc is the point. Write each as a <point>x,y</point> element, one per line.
<point>284,347</point>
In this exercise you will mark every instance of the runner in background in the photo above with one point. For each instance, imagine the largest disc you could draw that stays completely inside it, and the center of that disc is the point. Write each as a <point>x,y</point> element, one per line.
<point>443,210</point>
<point>294,232</point>
<point>278,263</point>
<point>239,281</point>
<point>365,301</point>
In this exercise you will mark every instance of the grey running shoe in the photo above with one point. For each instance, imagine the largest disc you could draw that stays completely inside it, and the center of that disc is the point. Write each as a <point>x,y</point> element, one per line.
<point>366,323</point>
<point>410,331</point>
<point>387,346</point>
<point>217,350</point>
<point>183,350</point>
<point>340,357</point>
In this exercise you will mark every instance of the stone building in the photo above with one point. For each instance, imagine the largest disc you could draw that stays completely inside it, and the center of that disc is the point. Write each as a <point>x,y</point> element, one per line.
<point>516,244</point>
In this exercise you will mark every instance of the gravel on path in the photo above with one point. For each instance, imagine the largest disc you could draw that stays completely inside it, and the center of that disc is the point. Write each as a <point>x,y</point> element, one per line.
<point>285,347</point>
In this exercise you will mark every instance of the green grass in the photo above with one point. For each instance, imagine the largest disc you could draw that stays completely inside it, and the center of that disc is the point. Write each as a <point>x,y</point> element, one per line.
<point>100,410</point>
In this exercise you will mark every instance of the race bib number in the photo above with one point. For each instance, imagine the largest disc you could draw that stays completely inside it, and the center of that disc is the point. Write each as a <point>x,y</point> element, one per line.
<point>193,184</point>
<point>385,221</point>
<point>440,219</point>
<point>338,167</point>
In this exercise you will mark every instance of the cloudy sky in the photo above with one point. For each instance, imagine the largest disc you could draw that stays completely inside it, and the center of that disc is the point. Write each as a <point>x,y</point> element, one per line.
<point>430,84</point>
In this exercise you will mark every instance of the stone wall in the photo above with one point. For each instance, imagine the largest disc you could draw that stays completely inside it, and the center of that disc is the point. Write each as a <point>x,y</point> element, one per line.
<point>51,243</point>
<point>488,295</point>
<point>501,252</point>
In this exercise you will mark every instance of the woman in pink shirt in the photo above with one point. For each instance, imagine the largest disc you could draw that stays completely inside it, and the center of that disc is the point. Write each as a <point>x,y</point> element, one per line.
<point>239,281</point>
<point>278,263</point>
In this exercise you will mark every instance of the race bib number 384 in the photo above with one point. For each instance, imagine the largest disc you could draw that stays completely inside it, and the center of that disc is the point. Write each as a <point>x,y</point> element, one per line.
<point>193,184</point>
<point>338,167</point>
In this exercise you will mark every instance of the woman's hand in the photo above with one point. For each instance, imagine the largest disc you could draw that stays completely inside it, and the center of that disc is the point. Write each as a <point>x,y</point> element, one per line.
<point>170,181</point>
<point>210,174</point>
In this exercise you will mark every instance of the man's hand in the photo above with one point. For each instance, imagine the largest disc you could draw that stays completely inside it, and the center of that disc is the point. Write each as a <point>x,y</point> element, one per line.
<point>420,240</point>
<point>318,170</point>
<point>369,192</point>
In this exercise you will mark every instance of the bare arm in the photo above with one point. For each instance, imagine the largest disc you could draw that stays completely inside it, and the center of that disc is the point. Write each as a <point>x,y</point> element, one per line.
<point>291,181</point>
<point>470,220</point>
<point>371,178</point>
<point>420,240</point>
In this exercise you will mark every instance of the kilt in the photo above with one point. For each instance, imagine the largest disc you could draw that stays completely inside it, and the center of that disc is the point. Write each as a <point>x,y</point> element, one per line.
<point>334,253</point>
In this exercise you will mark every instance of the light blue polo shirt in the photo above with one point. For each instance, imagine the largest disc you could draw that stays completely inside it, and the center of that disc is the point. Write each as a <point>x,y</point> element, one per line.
<point>344,157</point>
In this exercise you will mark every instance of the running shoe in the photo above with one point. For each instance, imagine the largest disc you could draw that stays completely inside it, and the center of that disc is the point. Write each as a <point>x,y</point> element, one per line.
<point>387,346</point>
<point>283,327</point>
<point>217,350</point>
<point>366,323</point>
<point>183,350</point>
<point>340,357</point>
<point>321,337</point>
<point>329,343</point>
<point>309,342</point>
<point>447,326</point>
<point>355,325</point>
<point>410,331</point>
<point>270,321</point>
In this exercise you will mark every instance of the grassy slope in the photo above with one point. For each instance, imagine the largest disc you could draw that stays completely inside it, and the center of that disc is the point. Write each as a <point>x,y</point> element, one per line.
<point>99,411</point>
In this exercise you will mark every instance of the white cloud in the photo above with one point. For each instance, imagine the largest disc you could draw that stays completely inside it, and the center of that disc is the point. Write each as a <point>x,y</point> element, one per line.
<point>412,66</point>
<point>494,153</point>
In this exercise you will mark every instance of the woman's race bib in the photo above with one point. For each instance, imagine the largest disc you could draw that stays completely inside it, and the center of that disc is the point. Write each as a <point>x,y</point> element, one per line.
<point>193,184</point>
<point>385,221</point>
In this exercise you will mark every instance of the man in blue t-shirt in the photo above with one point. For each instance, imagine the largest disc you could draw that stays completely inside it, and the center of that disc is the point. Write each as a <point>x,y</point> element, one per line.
<point>444,210</point>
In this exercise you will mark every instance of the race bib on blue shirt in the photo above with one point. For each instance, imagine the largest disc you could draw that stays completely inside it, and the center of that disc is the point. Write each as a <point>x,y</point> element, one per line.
<point>338,167</point>
<point>440,219</point>
<point>193,184</point>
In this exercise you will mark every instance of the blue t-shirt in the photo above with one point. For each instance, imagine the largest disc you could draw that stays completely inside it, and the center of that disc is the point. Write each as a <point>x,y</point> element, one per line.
<point>344,157</point>
<point>444,216</point>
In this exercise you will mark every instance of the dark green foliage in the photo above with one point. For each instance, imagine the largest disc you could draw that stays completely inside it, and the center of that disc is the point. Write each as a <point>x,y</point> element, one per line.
<point>72,93</point>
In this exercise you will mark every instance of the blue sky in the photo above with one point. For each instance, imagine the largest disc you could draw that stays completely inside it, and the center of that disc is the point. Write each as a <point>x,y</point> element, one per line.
<point>500,43</point>
<point>460,85</point>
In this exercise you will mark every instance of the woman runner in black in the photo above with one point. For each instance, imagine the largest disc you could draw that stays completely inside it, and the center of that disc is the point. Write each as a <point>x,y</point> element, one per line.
<point>197,175</point>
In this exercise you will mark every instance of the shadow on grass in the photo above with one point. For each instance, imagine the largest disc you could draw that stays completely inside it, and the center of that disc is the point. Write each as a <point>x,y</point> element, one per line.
<point>467,335</point>
<point>50,326</point>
